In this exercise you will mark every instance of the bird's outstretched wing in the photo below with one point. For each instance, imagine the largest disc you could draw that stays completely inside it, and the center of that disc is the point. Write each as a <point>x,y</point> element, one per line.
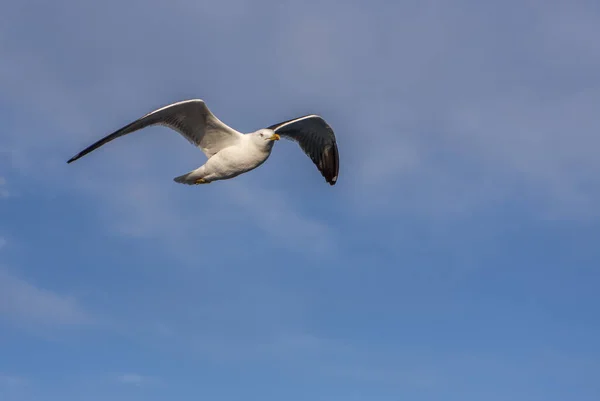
<point>191,118</point>
<point>316,139</point>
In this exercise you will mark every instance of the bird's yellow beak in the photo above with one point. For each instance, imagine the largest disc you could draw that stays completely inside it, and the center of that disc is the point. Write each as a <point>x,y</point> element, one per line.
<point>275,137</point>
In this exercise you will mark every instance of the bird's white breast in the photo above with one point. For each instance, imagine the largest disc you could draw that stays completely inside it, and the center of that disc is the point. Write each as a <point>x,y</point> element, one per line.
<point>234,160</point>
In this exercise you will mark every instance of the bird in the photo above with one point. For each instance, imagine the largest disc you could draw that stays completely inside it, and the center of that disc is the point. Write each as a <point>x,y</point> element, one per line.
<point>230,152</point>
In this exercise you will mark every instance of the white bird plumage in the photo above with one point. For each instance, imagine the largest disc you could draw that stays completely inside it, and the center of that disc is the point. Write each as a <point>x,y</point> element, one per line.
<point>230,152</point>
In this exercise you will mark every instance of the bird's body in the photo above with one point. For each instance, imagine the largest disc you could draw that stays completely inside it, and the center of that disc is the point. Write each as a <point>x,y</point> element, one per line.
<point>229,152</point>
<point>229,162</point>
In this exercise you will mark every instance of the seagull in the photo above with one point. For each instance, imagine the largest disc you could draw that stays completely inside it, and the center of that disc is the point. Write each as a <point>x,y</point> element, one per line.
<point>230,152</point>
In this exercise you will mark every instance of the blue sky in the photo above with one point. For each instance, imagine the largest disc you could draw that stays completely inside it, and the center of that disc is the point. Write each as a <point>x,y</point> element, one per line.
<point>456,258</point>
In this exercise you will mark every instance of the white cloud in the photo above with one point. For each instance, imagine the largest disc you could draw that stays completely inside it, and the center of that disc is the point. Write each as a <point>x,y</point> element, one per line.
<point>25,303</point>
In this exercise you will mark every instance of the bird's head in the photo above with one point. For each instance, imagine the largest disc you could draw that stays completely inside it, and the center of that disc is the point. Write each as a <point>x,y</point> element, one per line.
<point>264,137</point>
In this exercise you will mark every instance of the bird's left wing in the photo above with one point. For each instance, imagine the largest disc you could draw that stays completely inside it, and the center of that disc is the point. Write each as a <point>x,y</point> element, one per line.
<point>316,139</point>
<point>190,118</point>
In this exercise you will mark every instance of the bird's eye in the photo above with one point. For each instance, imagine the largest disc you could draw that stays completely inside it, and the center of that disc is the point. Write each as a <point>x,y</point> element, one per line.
<point>261,134</point>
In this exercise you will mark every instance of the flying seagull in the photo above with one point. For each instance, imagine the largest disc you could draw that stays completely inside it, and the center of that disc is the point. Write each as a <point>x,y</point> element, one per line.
<point>229,152</point>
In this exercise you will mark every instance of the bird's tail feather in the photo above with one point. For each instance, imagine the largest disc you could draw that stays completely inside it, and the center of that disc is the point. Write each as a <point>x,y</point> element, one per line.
<point>190,178</point>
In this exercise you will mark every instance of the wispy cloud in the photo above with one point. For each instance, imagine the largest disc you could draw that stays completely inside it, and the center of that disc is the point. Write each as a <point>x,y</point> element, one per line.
<point>25,303</point>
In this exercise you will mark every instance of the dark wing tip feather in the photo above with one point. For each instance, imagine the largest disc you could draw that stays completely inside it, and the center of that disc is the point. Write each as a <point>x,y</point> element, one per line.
<point>329,164</point>
<point>131,127</point>
<point>332,164</point>
<point>91,148</point>
<point>94,146</point>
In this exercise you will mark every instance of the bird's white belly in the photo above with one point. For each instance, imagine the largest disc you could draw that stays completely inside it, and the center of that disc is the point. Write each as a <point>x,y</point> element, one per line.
<point>233,161</point>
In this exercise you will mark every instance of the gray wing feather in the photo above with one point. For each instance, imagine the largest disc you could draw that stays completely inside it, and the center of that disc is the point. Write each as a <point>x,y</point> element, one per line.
<point>316,139</point>
<point>190,118</point>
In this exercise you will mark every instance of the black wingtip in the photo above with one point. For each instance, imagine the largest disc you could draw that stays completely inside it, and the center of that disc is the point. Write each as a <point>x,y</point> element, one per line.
<point>78,156</point>
<point>331,160</point>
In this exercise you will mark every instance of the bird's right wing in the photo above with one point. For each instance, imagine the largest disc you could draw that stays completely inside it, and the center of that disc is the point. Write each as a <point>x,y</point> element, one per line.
<point>191,118</point>
<point>316,139</point>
